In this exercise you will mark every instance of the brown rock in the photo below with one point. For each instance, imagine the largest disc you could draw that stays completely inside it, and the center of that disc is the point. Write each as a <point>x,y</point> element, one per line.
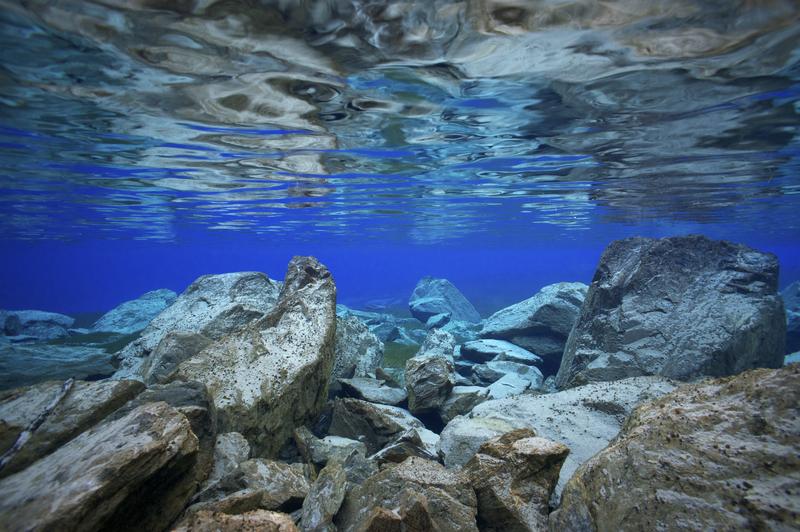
<point>255,521</point>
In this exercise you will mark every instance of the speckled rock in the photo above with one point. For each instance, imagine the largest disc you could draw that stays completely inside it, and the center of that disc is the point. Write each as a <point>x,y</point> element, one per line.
<point>681,307</point>
<point>134,315</point>
<point>174,348</point>
<point>720,455</point>
<point>254,521</point>
<point>230,450</point>
<point>85,405</point>
<point>438,343</point>
<point>324,499</point>
<point>540,324</point>
<point>358,351</point>
<point>514,476</point>
<point>272,376</point>
<point>141,464</point>
<point>439,296</point>
<point>429,380</point>
<point>213,305</point>
<point>585,419</point>
<point>415,495</point>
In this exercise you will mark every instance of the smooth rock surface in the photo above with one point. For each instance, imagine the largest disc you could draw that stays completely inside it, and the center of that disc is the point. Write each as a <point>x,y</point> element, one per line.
<point>213,305</point>
<point>514,476</point>
<point>85,405</point>
<point>719,455</point>
<point>134,315</point>
<point>415,495</point>
<point>791,301</point>
<point>438,296</point>
<point>540,324</point>
<point>358,351</point>
<point>272,376</point>
<point>681,307</point>
<point>373,390</point>
<point>584,419</point>
<point>139,465</point>
<point>490,372</point>
<point>37,324</point>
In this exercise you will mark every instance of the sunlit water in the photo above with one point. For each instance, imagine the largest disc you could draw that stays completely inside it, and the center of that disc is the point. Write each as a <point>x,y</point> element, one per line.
<point>143,143</point>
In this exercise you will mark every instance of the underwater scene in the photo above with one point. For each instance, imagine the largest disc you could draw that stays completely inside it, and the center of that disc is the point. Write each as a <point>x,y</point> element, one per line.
<point>377,265</point>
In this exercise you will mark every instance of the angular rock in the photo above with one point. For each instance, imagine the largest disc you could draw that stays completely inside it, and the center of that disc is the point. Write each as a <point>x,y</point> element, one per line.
<point>320,451</point>
<point>461,401</point>
<point>272,376</point>
<point>540,324</point>
<point>413,442</point>
<point>36,324</point>
<point>429,380</point>
<point>257,520</point>
<point>230,450</point>
<point>514,476</point>
<point>681,307</point>
<point>213,305</point>
<point>132,316</point>
<point>358,352</point>
<point>488,350</point>
<point>374,425</point>
<point>85,405</point>
<point>373,390</point>
<point>438,343</point>
<point>718,455</point>
<point>417,494</point>
<point>27,364</point>
<point>256,484</point>
<point>585,419</point>
<point>174,348</point>
<point>508,385</point>
<point>462,331</point>
<point>140,465</point>
<point>324,499</point>
<point>438,321</point>
<point>791,300</point>
<point>439,296</point>
<point>490,372</point>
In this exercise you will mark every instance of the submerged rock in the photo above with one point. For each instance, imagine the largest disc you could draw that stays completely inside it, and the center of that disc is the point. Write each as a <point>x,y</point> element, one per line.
<point>260,520</point>
<point>438,343</point>
<point>540,324</point>
<point>30,363</point>
<point>417,494</point>
<point>358,352</point>
<point>514,476</point>
<point>213,306</point>
<point>585,419</point>
<point>681,307</point>
<point>718,455</point>
<point>486,350</point>
<point>320,451</point>
<point>429,380</point>
<point>374,425</point>
<point>135,315</point>
<point>141,464</point>
<point>373,390</point>
<point>461,401</point>
<point>83,406</point>
<point>230,450</point>
<point>174,348</point>
<point>439,296</point>
<point>324,499</point>
<point>35,324</point>
<point>791,300</point>
<point>272,376</point>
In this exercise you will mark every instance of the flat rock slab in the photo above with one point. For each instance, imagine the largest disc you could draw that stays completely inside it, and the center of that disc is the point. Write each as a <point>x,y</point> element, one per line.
<point>373,390</point>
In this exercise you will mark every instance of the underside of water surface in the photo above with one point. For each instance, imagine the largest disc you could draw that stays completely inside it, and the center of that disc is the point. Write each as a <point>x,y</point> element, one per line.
<point>372,265</point>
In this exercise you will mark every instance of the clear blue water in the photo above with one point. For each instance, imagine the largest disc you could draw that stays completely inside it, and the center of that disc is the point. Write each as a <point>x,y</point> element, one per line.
<point>499,144</point>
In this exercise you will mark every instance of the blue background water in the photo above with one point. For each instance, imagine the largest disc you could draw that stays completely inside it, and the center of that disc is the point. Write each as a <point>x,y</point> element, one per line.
<point>141,148</point>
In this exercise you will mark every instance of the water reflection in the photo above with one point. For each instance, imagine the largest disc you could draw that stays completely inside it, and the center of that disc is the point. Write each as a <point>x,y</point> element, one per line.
<point>419,120</point>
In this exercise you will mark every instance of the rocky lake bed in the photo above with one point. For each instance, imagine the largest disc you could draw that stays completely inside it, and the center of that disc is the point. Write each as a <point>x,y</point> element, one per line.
<point>664,395</point>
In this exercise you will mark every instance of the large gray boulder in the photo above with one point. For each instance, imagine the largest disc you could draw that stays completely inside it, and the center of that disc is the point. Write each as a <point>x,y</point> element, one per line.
<point>720,455</point>
<point>140,465</point>
<point>584,419</point>
<point>439,296</point>
<point>213,306</point>
<point>36,324</point>
<point>134,315</point>
<point>358,351</point>
<point>681,307</point>
<point>791,300</point>
<point>272,376</point>
<point>540,324</point>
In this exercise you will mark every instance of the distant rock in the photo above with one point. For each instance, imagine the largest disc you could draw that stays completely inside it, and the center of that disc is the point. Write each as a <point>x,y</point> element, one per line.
<point>30,363</point>
<point>36,324</point>
<point>141,464</point>
<point>486,350</point>
<point>681,307</point>
<point>358,352</point>
<point>719,455</point>
<point>462,331</point>
<point>540,324</point>
<point>514,476</point>
<point>133,316</point>
<point>584,419</point>
<point>373,390</point>
<point>85,405</point>
<point>261,520</point>
<point>415,495</point>
<point>213,306</point>
<point>272,375</point>
<point>794,358</point>
<point>791,300</point>
<point>439,296</point>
